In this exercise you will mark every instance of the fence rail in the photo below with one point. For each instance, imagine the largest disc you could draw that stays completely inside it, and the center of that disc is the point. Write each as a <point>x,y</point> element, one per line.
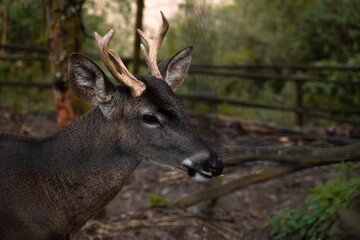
<point>318,113</point>
<point>236,71</point>
<point>277,66</point>
<point>40,51</point>
<point>43,49</point>
<point>257,76</point>
<point>26,48</point>
<point>23,84</point>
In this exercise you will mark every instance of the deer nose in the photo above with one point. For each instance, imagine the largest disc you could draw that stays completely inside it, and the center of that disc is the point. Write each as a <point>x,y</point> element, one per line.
<point>215,164</point>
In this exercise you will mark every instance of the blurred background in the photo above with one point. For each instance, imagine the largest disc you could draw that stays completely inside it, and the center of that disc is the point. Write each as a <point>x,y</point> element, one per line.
<point>284,62</point>
<point>266,76</point>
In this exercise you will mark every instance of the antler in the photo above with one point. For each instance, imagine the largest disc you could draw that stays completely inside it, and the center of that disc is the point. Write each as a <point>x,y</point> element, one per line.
<point>154,46</point>
<point>121,73</point>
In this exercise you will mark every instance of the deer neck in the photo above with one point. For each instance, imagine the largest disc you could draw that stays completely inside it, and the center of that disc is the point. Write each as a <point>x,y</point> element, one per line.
<point>86,171</point>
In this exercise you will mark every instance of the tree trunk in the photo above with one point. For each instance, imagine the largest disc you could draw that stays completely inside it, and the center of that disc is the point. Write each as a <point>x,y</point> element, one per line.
<point>65,37</point>
<point>138,24</point>
<point>4,27</point>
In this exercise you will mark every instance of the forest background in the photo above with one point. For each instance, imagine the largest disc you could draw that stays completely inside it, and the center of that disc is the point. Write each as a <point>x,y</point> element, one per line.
<point>324,32</point>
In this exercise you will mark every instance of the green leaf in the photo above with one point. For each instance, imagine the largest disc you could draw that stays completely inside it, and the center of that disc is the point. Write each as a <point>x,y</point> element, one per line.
<point>157,201</point>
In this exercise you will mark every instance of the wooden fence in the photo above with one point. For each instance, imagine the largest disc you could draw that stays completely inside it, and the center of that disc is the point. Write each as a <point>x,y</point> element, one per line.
<point>241,72</point>
<point>238,71</point>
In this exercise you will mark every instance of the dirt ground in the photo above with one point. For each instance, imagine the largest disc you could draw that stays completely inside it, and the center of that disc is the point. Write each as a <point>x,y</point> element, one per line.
<point>240,215</point>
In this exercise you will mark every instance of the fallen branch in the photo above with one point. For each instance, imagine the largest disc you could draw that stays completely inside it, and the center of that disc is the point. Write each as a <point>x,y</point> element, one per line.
<point>224,189</point>
<point>112,227</point>
<point>220,231</point>
<point>133,224</point>
<point>299,155</point>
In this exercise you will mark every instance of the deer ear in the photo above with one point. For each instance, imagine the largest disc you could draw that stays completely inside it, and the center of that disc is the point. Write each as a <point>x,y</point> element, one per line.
<point>174,69</point>
<point>88,81</point>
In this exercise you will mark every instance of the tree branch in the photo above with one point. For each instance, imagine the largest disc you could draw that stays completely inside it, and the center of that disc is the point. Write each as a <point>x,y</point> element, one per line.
<point>299,155</point>
<point>224,189</point>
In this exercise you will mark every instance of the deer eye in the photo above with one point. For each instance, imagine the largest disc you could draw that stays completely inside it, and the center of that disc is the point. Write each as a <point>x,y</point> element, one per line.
<point>150,119</point>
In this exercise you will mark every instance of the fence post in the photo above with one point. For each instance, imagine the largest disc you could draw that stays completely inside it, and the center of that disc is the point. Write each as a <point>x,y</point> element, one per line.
<point>298,103</point>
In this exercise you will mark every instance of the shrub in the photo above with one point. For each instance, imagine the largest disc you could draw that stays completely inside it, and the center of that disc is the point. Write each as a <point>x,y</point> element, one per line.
<point>315,219</point>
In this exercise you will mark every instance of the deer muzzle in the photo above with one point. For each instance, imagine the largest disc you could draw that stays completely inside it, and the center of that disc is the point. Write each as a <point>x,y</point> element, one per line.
<point>216,165</point>
<point>204,165</point>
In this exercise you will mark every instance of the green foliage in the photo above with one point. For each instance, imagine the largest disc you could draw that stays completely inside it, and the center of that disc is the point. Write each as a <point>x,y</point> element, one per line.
<point>328,94</point>
<point>329,29</point>
<point>101,16</point>
<point>281,30</point>
<point>157,201</point>
<point>192,25</point>
<point>315,219</point>
<point>324,32</point>
<point>29,100</point>
<point>26,23</point>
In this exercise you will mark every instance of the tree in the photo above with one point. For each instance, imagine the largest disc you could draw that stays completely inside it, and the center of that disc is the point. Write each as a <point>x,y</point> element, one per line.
<point>138,24</point>
<point>65,37</point>
<point>4,25</point>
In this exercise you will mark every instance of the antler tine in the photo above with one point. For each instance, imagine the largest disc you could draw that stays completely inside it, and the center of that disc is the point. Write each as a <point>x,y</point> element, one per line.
<point>154,46</point>
<point>121,73</point>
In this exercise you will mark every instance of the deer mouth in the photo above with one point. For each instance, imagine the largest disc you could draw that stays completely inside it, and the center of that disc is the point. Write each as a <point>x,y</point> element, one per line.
<point>203,166</point>
<point>197,173</point>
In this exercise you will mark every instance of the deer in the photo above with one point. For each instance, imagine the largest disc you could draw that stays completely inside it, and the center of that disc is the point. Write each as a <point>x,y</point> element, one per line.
<point>51,186</point>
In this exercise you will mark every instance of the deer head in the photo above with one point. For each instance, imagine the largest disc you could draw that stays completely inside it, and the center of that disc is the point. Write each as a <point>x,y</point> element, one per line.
<point>147,118</point>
